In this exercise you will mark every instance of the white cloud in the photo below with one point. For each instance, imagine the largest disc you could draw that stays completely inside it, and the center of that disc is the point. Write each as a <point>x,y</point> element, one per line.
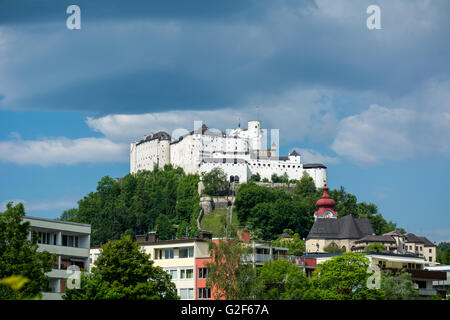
<point>41,205</point>
<point>297,113</point>
<point>312,156</point>
<point>62,151</point>
<point>381,133</point>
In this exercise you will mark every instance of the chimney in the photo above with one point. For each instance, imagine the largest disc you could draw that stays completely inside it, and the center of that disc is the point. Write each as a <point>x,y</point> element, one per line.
<point>205,235</point>
<point>152,236</point>
<point>141,238</point>
<point>244,235</point>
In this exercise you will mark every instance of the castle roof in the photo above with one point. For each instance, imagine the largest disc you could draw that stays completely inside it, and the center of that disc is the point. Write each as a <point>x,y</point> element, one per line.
<point>346,227</point>
<point>294,153</point>
<point>161,135</point>
<point>313,166</point>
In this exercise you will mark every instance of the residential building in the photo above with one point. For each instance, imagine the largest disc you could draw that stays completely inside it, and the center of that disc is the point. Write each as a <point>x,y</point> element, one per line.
<point>441,285</point>
<point>178,258</point>
<point>355,234</point>
<point>70,242</point>
<point>424,277</point>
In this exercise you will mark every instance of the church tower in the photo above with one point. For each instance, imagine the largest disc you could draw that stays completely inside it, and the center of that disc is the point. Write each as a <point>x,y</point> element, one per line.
<point>325,206</point>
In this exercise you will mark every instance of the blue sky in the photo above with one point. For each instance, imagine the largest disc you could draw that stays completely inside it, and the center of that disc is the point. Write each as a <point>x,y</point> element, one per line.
<point>373,105</point>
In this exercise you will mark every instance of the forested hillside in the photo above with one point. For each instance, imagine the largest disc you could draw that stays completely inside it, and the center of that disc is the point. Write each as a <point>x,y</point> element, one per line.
<point>163,200</point>
<point>167,201</point>
<point>267,211</point>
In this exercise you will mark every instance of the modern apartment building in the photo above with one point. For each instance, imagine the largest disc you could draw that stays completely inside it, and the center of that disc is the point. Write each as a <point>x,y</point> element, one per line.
<point>178,258</point>
<point>69,241</point>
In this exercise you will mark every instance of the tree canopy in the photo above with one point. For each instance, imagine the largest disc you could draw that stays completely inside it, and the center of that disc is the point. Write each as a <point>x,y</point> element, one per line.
<point>138,203</point>
<point>215,183</point>
<point>343,277</point>
<point>19,256</point>
<point>124,271</point>
<point>267,211</point>
<point>398,286</point>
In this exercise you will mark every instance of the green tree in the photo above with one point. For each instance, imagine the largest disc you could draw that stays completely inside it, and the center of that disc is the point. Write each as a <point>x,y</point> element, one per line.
<point>255,177</point>
<point>295,245</point>
<point>69,215</point>
<point>124,271</point>
<point>164,227</point>
<point>215,182</point>
<point>282,280</point>
<point>375,247</point>
<point>333,248</point>
<point>345,278</point>
<point>398,286</point>
<point>230,275</point>
<point>19,256</point>
<point>305,187</point>
<point>443,253</point>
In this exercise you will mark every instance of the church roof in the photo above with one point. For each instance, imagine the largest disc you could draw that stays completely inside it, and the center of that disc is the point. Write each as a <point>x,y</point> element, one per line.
<point>375,238</point>
<point>346,227</point>
<point>294,153</point>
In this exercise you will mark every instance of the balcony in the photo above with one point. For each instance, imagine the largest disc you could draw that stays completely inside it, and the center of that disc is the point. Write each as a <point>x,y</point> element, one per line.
<point>260,258</point>
<point>422,274</point>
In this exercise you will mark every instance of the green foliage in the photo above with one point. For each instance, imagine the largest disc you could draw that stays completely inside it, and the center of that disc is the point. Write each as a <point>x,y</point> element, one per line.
<point>305,188</point>
<point>133,204</point>
<point>343,278</point>
<point>265,180</point>
<point>229,276</point>
<point>295,245</point>
<point>19,257</point>
<point>69,215</point>
<point>443,253</point>
<point>282,280</point>
<point>280,179</point>
<point>215,183</point>
<point>333,248</point>
<point>255,177</point>
<point>268,211</point>
<point>164,227</point>
<point>398,286</point>
<point>124,271</point>
<point>375,247</point>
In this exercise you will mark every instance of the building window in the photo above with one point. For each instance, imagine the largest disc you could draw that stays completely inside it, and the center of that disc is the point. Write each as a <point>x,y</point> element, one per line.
<point>204,293</point>
<point>186,293</point>
<point>168,253</point>
<point>186,252</point>
<point>70,241</point>
<point>429,250</point>
<point>187,274</point>
<point>203,273</point>
<point>173,273</point>
<point>429,259</point>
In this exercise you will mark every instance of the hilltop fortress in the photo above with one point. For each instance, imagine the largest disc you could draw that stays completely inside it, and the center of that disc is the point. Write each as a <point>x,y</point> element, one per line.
<point>239,152</point>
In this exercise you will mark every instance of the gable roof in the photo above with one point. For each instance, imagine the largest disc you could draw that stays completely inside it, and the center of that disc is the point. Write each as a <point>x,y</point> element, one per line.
<point>411,237</point>
<point>375,238</point>
<point>346,227</point>
<point>427,243</point>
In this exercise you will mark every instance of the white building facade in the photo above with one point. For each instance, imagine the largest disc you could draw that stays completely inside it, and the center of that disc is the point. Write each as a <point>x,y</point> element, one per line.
<point>70,242</point>
<point>240,153</point>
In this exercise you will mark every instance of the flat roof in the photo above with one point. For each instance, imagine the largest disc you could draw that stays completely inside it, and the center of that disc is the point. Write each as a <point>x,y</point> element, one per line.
<point>57,221</point>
